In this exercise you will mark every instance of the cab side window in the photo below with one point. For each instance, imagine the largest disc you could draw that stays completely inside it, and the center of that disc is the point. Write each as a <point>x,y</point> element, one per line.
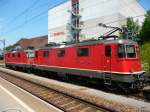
<point>131,52</point>
<point>46,53</point>
<point>8,55</point>
<point>19,55</point>
<point>61,53</point>
<point>82,52</point>
<point>107,51</point>
<point>13,55</point>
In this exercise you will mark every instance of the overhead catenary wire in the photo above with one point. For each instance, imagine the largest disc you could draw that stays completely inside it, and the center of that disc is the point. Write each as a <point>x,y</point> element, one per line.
<point>110,22</point>
<point>40,6</point>
<point>27,21</point>
<point>40,14</point>
<point>25,11</point>
<point>46,10</point>
<point>21,25</point>
<point>22,13</point>
<point>93,5</point>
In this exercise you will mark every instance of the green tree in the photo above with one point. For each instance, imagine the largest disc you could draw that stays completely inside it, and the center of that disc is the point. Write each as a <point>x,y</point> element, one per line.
<point>9,48</point>
<point>133,27</point>
<point>145,30</point>
<point>145,54</point>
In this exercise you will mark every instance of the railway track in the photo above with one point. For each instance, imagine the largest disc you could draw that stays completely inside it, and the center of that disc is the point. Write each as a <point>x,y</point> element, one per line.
<point>60,100</point>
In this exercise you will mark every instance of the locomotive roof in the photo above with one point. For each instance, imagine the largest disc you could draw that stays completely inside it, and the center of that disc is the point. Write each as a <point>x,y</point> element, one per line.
<point>28,50</point>
<point>92,42</point>
<point>86,43</point>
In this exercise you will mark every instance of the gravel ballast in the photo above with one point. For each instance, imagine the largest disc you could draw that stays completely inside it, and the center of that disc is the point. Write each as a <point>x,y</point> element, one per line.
<point>115,103</point>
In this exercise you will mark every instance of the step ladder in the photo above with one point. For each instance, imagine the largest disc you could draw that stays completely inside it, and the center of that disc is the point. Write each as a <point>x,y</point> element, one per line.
<point>107,78</point>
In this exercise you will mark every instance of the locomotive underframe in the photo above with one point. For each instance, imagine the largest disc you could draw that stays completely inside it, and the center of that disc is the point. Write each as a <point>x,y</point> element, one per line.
<point>135,81</point>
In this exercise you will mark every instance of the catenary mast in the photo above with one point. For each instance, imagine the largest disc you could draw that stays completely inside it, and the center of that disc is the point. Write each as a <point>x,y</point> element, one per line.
<point>75,21</point>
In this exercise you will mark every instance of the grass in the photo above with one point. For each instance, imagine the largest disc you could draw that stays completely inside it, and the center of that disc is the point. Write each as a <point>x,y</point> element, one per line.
<point>145,55</point>
<point>2,62</point>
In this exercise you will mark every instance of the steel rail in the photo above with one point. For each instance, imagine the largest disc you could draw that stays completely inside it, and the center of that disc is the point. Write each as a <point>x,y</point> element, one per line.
<point>60,100</point>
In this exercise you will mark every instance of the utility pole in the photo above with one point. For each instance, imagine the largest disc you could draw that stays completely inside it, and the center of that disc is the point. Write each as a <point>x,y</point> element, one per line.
<point>4,52</point>
<point>3,42</point>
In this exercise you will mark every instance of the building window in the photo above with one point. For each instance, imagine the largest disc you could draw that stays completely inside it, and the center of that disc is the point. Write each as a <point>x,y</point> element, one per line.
<point>83,52</point>
<point>107,51</point>
<point>13,55</point>
<point>121,51</point>
<point>61,53</point>
<point>46,53</point>
<point>19,55</point>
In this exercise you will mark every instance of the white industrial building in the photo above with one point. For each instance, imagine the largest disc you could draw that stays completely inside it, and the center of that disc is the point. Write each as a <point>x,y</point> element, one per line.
<point>110,12</point>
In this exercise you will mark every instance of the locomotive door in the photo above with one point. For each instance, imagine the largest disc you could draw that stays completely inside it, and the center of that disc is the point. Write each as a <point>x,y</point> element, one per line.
<point>107,58</point>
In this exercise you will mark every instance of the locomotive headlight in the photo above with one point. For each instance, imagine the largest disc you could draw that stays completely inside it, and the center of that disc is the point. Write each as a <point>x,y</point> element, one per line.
<point>120,41</point>
<point>107,61</point>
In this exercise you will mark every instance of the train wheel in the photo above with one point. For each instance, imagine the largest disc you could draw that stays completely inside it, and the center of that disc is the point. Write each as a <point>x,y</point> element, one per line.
<point>123,88</point>
<point>28,70</point>
<point>112,87</point>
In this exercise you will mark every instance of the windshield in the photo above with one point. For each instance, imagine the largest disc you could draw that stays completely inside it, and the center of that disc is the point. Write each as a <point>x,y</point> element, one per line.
<point>126,51</point>
<point>130,49</point>
<point>30,54</point>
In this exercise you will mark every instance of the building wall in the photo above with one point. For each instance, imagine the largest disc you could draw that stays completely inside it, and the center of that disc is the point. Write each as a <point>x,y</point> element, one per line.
<point>90,29</point>
<point>131,8</point>
<point>97,8</point>
<point>110,12</point>
<point>58,18</point>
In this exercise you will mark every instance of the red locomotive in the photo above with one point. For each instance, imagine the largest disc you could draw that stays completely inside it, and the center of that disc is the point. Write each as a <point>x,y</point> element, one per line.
<point>110,60</point>
<point>107,59</point>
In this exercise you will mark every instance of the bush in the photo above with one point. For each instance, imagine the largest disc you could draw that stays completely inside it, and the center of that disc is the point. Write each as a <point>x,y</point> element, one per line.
<point>145,54</point>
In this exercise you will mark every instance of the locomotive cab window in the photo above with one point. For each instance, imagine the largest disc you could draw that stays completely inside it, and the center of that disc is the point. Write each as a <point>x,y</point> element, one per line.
<point>8,55</point>
<point>46,53</point>
<point>107,51</point>
<point>61,53</point>
<point>131,52</point>
<point>19,55</point>
<point>121,51</point>
<point>13,55</point>
<point>82,52</point>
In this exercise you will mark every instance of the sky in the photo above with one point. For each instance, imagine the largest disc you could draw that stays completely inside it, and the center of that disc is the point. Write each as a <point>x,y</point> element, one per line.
<point>29,18</point>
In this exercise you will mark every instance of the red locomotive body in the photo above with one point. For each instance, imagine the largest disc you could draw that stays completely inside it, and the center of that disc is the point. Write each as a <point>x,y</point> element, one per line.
<point>110,60</point>
<point>101,57</point>
<point>20,59</point>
